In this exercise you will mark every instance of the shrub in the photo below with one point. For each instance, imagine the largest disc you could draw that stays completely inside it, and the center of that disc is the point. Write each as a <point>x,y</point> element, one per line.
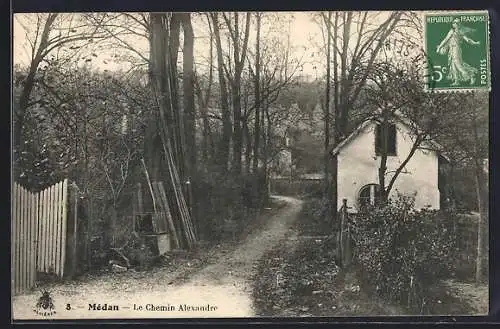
<point>313,219</point>
<point>403,252</point>
<point>223,197</point>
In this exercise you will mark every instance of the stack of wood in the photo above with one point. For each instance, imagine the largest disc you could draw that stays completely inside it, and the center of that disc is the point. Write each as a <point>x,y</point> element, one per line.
<point>171,214</point>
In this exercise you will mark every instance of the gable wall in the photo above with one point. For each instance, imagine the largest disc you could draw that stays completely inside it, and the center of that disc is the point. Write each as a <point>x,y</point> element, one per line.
<point>358,166</point>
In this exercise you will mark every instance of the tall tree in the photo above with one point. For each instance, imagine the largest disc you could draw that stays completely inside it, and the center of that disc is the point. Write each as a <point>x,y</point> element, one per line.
<point>227,126</point>
<point>257,134</point>
<point>356,46</point>
<point>239,57</point>
<point>51,33</point>
<point>327,165</point>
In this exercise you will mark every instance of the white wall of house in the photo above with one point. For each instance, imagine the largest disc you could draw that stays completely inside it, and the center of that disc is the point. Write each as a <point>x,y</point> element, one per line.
<point>358,166</point>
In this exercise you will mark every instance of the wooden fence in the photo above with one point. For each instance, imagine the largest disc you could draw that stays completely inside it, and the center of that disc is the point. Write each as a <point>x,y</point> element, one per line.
<point>39,232</point>
<point>23,237</point>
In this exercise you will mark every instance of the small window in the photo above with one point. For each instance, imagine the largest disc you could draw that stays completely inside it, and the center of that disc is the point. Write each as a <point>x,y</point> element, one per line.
<point>369,195</point>
<point>391,139</point>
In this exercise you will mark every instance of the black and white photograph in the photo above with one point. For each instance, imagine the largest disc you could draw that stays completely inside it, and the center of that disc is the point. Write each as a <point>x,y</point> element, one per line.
<point>249,164</point>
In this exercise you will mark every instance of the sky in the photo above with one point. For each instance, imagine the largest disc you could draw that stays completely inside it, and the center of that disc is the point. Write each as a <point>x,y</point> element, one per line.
<point>305,41</point>
<point>302,29</point>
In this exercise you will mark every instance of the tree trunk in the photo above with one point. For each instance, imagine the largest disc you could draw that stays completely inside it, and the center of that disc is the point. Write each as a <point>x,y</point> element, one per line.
<point>343,95</point>
<point>176,126</point>
<point>482,201</point>
<point>223,152</point>
<point>237,131</point>
<point>189,109</point>
<point>257,98</point>
<point>248,146</point>
<point>29,82</point>
<point>267,143</point>
<point>383,157</point>
<point>188,89</point>
<point>335,135</point>
<point>152,142</point>
<point>328,183</point>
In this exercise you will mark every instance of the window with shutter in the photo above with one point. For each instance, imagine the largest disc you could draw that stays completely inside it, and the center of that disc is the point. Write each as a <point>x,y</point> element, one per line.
<point>391,139</point>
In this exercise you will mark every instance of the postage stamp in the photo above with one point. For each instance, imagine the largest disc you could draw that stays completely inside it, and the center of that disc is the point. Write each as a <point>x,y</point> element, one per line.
<point>457,49</point>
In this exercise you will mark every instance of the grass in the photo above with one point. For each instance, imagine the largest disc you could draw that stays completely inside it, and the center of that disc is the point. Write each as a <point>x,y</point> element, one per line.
<point>300,277</point>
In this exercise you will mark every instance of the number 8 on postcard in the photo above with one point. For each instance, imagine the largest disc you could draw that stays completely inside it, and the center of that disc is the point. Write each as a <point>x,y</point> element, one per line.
<point>457,49</point>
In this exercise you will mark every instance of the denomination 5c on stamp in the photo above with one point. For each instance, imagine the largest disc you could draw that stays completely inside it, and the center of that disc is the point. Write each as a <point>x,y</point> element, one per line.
<point>457,49</point>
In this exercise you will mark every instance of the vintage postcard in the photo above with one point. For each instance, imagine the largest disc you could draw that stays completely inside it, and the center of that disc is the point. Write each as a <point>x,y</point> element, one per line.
<point>250,164</point>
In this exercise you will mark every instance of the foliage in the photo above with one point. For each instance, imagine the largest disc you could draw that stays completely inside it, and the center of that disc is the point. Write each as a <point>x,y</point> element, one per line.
<point>74,127</point>
<point>222,197</point>
<point>296,281</point>
<point>403,252</point>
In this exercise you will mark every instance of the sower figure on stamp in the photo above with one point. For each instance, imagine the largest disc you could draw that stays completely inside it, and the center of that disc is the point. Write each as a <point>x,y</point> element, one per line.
<point>458,70</point>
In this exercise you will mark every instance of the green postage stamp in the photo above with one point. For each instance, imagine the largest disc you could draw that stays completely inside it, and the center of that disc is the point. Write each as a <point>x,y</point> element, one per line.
<point>457,49</point>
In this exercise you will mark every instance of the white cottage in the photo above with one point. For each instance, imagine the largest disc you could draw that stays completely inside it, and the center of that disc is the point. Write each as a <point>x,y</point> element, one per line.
<point>359,158</point>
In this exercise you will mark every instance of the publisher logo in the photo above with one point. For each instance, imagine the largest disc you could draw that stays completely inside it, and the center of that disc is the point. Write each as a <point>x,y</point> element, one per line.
<point>45,304</point>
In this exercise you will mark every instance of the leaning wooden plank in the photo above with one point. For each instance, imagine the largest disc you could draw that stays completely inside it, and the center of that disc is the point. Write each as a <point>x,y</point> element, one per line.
<point>163,241</point>
<point>149,183</point>
<point>162,223</point>
<point>140,207</point>
<point>134,210</point>
<point>157,207</point>
<point>64,221</point>
<point>170,221</point>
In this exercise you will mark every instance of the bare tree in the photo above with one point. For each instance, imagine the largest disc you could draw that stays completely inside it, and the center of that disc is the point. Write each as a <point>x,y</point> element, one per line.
<point>239,57</point>
<point>227,128</point>
<point>51,33</point>
<point>353,59</point>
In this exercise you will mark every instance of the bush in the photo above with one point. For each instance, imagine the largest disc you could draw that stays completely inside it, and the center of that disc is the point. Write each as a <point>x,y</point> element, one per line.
<point>313,219</point>
<point>403,252</point>
<point>221,197</point>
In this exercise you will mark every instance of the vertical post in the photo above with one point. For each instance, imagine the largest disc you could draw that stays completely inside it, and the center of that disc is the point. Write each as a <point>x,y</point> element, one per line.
<point>344,235</point>
<point>134,209</point>
<point>71,229</point>
<point>140,207</point>
<point>74,246</point>
<point>14,239</point>
<point>90,218</point>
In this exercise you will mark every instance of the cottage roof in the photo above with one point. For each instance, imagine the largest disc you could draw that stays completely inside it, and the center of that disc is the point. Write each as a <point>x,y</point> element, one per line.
<point>430,144</point>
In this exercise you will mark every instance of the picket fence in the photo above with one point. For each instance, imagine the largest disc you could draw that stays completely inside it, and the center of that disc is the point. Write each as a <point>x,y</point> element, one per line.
<point>39,231</point>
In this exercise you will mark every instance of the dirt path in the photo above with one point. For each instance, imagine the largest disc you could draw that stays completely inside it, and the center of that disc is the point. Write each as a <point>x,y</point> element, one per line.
<point>219,289</point>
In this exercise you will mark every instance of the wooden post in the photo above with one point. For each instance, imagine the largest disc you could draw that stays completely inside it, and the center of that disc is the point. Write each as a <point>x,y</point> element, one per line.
<point>74,246</point>
<point>90,218</point>
<point>72,215</point>
<point>345,245</point>
<point>134,210</point>
<point>140,207</point>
